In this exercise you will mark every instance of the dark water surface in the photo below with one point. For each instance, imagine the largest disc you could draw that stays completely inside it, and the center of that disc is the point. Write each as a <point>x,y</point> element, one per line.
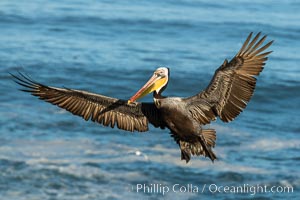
<point>112,48</point>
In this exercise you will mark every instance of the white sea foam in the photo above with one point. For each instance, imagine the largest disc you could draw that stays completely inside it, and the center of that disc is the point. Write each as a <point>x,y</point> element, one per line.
<point>273,144</point>
<point>52,154</point>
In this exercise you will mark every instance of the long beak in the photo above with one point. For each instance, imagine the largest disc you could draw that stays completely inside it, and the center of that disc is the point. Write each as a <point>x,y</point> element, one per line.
<point>146,89</point>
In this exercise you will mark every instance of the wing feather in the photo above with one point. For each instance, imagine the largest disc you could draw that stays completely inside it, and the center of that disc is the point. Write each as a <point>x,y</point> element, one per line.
<point>102,109</point>
<point>233,83</point>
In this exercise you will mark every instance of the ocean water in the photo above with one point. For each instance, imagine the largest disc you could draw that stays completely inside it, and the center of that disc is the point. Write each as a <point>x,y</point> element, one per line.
<point>112,48</point>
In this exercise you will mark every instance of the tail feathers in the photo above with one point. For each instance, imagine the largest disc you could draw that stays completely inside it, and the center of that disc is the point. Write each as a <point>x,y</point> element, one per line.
<point>209,136</point>
<point>203,146</point>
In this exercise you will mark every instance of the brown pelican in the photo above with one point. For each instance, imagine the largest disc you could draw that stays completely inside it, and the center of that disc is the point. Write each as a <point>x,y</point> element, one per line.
<point>225,97</point>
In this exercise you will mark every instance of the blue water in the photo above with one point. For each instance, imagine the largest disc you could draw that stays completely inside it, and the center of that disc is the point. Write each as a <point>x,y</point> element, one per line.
<point>112,48</point>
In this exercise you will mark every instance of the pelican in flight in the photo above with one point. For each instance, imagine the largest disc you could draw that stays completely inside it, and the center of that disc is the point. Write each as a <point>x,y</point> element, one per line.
<point>228,93</point>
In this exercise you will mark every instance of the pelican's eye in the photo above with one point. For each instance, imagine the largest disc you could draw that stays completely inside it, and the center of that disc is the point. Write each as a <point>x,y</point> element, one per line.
<point>161,73</point>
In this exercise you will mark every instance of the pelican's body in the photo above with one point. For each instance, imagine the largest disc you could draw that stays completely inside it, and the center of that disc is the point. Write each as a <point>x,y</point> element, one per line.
<point>184,128</point>
<point>173,112</point>
<point>225,97</point>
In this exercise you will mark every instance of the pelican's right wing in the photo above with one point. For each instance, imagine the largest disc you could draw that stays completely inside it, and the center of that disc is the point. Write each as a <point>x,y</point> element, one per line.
<point>233,84</point>
<point>102,109</point>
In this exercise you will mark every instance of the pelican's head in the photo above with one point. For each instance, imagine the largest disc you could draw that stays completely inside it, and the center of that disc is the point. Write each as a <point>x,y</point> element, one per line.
<point>157,83</point>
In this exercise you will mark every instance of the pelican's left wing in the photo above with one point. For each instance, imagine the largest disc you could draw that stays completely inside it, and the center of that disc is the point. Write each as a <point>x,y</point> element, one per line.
<point>102,109</point>
<point>233,84</point>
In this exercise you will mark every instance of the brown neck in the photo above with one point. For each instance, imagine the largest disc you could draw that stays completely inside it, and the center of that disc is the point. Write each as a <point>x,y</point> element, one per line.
<point>157,95</point>
<point>157,99</point>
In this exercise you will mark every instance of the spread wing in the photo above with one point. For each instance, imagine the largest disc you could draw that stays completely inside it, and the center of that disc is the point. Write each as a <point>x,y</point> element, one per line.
<point>102,109</point>
<point>233,84</point>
